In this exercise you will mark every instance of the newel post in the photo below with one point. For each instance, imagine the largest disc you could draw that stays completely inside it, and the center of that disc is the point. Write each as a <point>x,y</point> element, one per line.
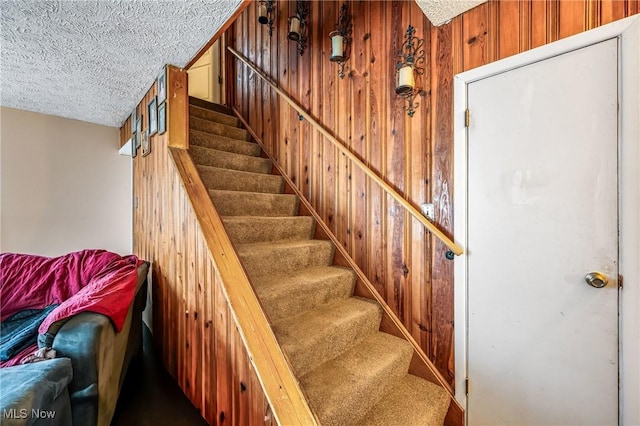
<point>177,108</point>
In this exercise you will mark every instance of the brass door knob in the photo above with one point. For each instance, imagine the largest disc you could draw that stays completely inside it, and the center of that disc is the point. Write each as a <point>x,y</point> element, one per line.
<point>596,279</point>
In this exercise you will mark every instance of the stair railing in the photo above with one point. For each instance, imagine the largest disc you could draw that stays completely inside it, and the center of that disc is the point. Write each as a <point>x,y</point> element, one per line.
<point>454,249</point>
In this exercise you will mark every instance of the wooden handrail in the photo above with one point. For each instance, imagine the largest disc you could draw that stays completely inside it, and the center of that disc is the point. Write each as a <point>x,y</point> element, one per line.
<point>453,247</point>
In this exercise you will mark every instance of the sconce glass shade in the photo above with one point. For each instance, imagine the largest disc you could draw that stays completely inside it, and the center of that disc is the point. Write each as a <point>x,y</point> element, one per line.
<point>337,47</point>
<point>406,80</point>
<point>294,28</point>
<point>262,14</point>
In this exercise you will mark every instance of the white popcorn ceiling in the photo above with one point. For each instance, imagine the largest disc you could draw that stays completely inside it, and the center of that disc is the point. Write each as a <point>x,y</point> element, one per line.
<point>441,11</point>
<point>94,60</point>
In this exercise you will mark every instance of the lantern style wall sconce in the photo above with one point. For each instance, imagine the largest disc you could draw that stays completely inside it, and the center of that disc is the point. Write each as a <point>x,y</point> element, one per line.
<point>266,9</point>
<point>411,61</point>
<point>298,25</point>
<point>341,39</point>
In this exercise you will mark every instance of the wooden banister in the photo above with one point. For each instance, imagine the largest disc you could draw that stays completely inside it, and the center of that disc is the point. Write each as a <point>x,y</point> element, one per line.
<point>453,247</point>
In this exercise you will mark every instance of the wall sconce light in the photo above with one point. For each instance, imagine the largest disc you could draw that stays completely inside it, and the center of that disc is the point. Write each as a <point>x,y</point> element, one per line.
<point>298,25</point>
<point>266,9</point>
<point>412,59</point>
<point>341,39</point>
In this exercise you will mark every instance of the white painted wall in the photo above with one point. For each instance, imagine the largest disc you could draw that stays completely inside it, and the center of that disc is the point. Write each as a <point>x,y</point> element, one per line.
<point>63,186</point>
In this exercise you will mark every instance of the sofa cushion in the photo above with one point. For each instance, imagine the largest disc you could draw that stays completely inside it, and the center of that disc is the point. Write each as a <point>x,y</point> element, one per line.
<point>35,393</point>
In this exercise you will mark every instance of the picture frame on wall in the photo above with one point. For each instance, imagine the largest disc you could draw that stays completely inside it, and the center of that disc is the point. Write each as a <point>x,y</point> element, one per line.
<point>138,132</point>
<point>162,86</point>
<point>162,118</point>
<point>153,117</point>
<point>133,120</point>
<point>134,144</point>
<point>146,143</point>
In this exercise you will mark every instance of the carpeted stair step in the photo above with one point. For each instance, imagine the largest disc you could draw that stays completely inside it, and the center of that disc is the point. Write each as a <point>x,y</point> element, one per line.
<point>343,390</point>
<point>222,143</point>
<point>210,105</point>
<point>321,334</point>
<point>302,290</point>
<point>207,114</point>
<point>237,180</point>
<point>229,160</point>
<point>237,203</point>
<point>196,123</point>
<point>412,402</point>
<point>256,229</point>
<point>283,257</point>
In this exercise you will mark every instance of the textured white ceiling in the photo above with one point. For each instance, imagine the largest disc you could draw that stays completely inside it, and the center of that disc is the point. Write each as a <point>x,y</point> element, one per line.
<point>94,60</point>
<point>441,11</point>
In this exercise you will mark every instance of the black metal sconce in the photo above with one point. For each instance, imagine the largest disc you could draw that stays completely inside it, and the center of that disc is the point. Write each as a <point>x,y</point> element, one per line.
<point>341,39</point>
<point>298,25</point>
<point>266,9</point>
<point>411,63</point>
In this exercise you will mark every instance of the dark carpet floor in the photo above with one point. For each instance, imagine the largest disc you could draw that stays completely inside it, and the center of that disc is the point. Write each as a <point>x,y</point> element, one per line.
<point>151,397</point>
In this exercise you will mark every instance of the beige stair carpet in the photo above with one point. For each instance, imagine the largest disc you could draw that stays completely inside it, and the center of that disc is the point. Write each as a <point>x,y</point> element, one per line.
<point>352,373</point>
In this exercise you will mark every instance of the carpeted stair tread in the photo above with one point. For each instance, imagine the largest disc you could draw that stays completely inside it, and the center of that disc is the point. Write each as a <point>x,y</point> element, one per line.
<point>238,180</point>
<point>229,160</point>
<point>282,257</point>
<point>238,203</point>
<point>302,290</point>
<point>210,105</point>
<point>196,123</point>
<point>255,229</point>
<point>412,402</point>
<point>343,390</point>
<point>323,333</point>
<point>221,143</point>
<point>215,116</point>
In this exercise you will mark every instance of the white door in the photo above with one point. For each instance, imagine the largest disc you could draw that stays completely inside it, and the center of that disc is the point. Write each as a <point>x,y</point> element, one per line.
<point>204,75</point>
<point>542,199</point>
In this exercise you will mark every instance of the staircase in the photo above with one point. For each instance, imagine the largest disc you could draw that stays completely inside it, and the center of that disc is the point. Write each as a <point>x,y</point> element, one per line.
<point>351,373</point>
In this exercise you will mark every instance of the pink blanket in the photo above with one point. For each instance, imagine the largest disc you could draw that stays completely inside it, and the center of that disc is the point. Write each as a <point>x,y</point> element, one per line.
<point>89,280</point>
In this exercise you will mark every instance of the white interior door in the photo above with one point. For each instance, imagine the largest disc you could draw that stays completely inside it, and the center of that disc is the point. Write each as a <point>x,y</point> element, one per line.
<point>542,212</point>
<point>204,75</point>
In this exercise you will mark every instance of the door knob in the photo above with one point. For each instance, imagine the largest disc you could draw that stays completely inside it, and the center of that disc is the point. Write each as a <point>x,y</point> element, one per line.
<point>596,279</point>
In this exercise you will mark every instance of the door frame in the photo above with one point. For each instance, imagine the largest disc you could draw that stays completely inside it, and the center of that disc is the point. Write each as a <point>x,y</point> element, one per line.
<point>628,32</point>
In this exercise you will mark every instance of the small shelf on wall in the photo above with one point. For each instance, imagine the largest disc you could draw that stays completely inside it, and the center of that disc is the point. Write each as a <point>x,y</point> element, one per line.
<point>126,148</point>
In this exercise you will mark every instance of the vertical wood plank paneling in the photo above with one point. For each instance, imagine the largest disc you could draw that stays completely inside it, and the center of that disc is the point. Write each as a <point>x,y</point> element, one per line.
<point>395,171</point>
<point>509,41</point>
<point>525,41</point>
<point>342,110</point>
<point>418,147</point>
<point>380,54</point>
<point>474,27</point>
<point>315,158</point>
<point>538,23</point>
<point>442,270</point>
<point>415,155</point>
<point>360,81</point>
<point>573,16</point>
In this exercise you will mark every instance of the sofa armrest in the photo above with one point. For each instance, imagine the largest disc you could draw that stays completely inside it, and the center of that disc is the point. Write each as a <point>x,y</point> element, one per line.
<point>97,354</point>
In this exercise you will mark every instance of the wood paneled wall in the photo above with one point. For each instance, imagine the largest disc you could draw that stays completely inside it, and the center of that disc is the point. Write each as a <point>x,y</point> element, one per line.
<point>193,326</point>
<point>406,265</point>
